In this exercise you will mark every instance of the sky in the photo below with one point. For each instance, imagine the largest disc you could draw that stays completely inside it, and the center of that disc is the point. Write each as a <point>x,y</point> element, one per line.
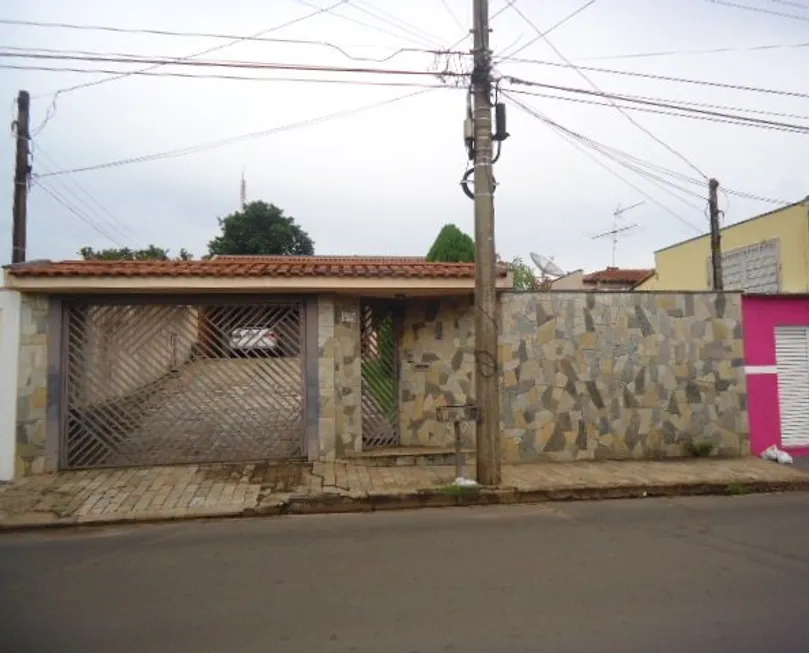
<point>383,180</point>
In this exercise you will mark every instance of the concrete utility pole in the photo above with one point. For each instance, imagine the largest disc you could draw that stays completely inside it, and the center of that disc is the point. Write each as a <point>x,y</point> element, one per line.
<point>22,171</point>
<point>716,237</point>
<point>487,382</point>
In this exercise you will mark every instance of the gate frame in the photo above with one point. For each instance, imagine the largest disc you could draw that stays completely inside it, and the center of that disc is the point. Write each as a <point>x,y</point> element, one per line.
<point>58,353</point>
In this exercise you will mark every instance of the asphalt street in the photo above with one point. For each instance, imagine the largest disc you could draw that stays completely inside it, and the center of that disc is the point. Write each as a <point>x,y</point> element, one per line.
<point>708,575</point>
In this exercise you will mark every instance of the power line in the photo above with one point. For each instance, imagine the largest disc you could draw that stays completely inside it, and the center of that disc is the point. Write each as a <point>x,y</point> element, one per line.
<point>595,87</point>
<point>94,205</point>
<point>691,103</point>
<point>600,163</point>
<point>243,78</point>
<point>67,205</point>
<point>550,29</point>
<point>453,15</point>
<point>791,4</point>
<point>398,23</point>
<point>376,28</point>
<point>195,149</point>
<point>663,78</point>
<point>670,53</point>
<point>217,63</point>
<point>230,37</point>
<point>747,120</point>
<point>200,53</point>
<point>612,152</point>
<point>760,10</point>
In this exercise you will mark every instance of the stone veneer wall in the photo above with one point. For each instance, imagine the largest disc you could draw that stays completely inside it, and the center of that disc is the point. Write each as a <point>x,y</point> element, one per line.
<point>32,386</point>
<point>437,368</point>
<point>587,375</point>
<point>621,375</point>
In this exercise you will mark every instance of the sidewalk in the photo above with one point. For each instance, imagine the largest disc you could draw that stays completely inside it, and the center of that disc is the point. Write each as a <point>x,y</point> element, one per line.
<point>187,492</point>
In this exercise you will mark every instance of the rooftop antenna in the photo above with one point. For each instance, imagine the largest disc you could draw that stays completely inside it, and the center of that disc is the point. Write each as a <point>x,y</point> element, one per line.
<point>547,268</point>
<point>617,228</point>
<point>243,191</point>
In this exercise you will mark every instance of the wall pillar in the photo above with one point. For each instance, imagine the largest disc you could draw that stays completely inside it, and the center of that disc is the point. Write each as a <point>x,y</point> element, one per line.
<point>32,385</point>
<point>348,376</point>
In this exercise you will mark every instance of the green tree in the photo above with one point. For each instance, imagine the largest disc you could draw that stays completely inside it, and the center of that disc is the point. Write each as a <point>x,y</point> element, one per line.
<point>524,277</point>
<point>150,253</point>
<point>261,228</point>
<point>452,246</point>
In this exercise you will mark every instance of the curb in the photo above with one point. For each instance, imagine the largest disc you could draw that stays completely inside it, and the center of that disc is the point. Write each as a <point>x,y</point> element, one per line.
<point>426,498</point>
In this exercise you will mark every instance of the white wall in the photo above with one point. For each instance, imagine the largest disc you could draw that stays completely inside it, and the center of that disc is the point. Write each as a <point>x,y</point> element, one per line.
<point>9,362</point>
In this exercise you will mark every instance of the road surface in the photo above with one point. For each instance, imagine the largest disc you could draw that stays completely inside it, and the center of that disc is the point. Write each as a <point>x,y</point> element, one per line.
<point>708,575</point>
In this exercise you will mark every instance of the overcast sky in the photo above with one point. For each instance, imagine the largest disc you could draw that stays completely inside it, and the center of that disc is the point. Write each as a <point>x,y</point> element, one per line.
<point>383,181</point>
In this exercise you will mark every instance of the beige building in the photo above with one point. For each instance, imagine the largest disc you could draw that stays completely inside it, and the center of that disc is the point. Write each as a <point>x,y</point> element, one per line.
<point>766,254</point>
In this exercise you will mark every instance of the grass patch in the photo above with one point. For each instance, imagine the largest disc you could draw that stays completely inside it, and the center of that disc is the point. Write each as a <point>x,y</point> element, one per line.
<point>700,449</point>
<point>737,489</point>
<point>457,490</point>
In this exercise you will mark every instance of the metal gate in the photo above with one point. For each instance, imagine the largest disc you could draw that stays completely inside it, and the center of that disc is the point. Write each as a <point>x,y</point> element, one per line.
<point>379,336</point>
<point>165,383</point>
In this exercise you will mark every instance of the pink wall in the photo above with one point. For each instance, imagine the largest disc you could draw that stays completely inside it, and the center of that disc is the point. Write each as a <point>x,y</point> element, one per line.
<point>761,314</point>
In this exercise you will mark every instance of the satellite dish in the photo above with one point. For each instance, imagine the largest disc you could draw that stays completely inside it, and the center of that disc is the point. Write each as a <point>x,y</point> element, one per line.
<point>546,266</point>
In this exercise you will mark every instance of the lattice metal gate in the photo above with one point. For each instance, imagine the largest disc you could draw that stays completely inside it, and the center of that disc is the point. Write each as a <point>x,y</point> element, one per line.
<point>379,337</point>
<point>160,383</point>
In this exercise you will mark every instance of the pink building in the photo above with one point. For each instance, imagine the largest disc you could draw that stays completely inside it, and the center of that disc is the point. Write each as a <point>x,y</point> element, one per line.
<point>776,341</point>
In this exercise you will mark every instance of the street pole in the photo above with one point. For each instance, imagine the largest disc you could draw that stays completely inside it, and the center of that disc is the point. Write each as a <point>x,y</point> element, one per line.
<point>716,238</point>
<point>487,388</point>
<point>22,171</point>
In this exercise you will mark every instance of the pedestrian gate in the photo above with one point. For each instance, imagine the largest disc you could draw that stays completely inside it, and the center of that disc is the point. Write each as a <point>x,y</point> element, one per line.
<point>379,338</point>
<point>162,383</point>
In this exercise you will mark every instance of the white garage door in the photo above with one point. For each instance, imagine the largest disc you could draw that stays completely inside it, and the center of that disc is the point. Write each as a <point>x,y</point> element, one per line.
<point>792,358</point>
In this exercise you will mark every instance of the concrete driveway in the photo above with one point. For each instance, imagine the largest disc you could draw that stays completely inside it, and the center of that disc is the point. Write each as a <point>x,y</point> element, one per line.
<point>704,575</point>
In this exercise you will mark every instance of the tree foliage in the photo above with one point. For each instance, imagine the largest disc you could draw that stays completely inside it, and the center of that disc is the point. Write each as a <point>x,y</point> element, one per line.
<point>150,253</point>
<point>524,277</point>
<point>452,246</point>
<point>261,228</point>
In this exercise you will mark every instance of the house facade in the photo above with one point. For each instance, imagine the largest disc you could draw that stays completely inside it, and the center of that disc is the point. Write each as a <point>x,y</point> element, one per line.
<point>765,254</point>
<point>323,358</point>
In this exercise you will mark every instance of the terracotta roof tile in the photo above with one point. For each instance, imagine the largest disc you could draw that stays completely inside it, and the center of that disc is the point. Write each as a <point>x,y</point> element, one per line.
<point>618,276</point>
<point>258,266</point>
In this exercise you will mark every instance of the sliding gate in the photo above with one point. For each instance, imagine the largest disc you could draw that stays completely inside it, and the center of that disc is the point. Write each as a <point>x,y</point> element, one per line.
<point>379,338</point>
<point>165,383</point>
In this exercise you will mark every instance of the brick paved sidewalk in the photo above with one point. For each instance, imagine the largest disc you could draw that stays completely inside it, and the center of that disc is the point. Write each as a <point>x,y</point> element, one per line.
<point>162,493</point>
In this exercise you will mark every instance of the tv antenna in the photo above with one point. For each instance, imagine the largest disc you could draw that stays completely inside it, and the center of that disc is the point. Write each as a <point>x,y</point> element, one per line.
<point>547,268</point>
<point>618,228</point>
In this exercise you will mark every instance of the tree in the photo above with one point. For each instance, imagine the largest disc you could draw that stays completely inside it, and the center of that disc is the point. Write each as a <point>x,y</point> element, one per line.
<point>261,228</point>
<point>524,277</point>
<point>452,246</point>
<point>150,253</point>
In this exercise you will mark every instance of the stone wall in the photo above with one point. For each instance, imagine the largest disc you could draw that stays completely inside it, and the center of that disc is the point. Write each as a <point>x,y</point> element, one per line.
<point>437,368</point>
<point>587,375</point>
<point>621,375</point>
<point>32,386</point>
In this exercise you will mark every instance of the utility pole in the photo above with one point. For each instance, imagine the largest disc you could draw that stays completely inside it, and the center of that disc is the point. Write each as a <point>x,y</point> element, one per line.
<point>22,171</point>
<point>716,237</point>
<point>487,382</point>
